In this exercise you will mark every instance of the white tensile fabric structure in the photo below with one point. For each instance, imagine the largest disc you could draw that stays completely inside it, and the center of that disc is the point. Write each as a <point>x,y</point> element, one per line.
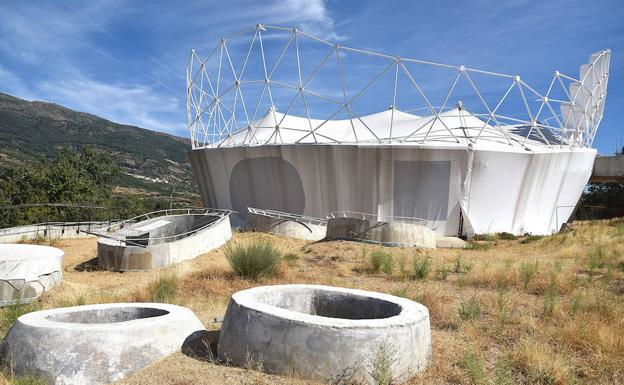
<point>287,121</point>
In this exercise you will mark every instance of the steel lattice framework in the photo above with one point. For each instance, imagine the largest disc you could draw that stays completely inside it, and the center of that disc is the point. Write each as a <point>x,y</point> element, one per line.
<point>279,69</point>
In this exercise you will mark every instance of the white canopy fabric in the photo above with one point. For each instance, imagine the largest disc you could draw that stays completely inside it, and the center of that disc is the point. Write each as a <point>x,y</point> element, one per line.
<point>28,262</point>
<point>455,127</point>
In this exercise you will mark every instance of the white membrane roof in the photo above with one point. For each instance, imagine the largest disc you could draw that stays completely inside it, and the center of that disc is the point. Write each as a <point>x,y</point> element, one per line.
<point>453,127</point>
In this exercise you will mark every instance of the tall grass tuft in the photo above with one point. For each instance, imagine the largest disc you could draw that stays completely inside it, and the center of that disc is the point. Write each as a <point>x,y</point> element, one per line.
<point>422,266</point>
<point>528,271</point>
<point>469,310</point>
<point>382,366</point>
<point>29,380</point>
<point>12,312</point>
<point>474,368</point>
<point>164,289</point>
<point>381,260</point>
<point>256,259</point>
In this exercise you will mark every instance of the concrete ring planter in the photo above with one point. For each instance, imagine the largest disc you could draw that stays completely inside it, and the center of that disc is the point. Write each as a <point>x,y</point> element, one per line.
<point>96,344</point>
<point>324,332</point>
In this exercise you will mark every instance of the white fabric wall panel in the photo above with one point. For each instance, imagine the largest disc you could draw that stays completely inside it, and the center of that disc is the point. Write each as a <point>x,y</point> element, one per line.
<point>499,191</point>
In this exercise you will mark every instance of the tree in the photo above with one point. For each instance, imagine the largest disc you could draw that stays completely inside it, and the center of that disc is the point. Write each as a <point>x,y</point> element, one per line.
<point>82,177</point>
<point>601,201</point>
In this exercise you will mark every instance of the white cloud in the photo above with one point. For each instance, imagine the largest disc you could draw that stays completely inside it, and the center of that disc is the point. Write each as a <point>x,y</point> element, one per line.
<point>137,105</point>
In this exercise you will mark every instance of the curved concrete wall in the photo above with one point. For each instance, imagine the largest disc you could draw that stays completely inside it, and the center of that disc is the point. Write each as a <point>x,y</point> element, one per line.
<point>116,255</point>
<point>516,191</point>
<point>386,233</point>
<point>286,227</point>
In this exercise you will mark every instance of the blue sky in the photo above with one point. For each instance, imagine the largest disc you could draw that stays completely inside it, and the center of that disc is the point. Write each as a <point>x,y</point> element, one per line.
<point>125,61</point>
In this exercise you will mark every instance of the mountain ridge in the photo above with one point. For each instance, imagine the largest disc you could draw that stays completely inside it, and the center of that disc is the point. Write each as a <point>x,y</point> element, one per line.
<point>151,161</point>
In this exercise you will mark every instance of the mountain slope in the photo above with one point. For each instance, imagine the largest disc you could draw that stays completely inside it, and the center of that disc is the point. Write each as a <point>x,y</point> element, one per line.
<point>152,162</point>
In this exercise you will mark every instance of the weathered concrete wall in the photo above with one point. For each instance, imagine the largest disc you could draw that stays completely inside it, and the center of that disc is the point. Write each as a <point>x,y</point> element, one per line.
<point>608,169</point>
<point>96,344</point>
<point>285,227</point>
<point>387,233</point>
<point>116,255</point>
<point>30,232</point>
<point>324,332</point>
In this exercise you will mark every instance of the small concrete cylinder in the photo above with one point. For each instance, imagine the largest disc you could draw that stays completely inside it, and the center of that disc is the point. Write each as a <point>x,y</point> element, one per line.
<point>96,344</point>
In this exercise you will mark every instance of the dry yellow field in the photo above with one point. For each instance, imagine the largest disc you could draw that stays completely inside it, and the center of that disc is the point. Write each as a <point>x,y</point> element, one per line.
<point>544,311</point>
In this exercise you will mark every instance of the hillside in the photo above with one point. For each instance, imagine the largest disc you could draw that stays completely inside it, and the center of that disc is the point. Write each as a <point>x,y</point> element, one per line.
<point>152,162</point>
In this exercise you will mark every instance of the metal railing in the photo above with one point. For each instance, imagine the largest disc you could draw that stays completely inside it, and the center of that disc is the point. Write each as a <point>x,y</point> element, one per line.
<point>380,218</point>
<point>288,216</point>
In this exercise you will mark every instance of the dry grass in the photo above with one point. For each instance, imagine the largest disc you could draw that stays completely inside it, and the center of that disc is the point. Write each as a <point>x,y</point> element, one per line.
<point>544,311</point>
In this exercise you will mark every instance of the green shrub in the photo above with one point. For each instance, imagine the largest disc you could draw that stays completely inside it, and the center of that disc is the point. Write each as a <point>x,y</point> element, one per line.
<point>528,271</point>
<point>256,259</point>
<point>461,267</point>
<point>442,272</point>
<point>474,368</point>
<point>422,266</point>
<point>380,260</point>
<point>382,366</point>
<point>164,289</point>
<point>506,236</point>
<point>469,310</point>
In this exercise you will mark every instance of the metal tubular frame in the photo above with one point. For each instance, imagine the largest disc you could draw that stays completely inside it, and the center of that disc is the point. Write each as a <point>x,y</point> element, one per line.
<point>212,120</point>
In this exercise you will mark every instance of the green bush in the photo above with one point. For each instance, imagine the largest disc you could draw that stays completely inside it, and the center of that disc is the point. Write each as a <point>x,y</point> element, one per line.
<point>469,310</point>
<point>164,289</point>
<point>381,260</point>
<point>422,266</point>
<point>507,236</point>
<point>255,259</point>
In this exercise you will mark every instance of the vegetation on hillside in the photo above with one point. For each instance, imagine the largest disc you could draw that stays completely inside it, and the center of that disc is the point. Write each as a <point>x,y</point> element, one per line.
<point>82,178</point>
<point>149,161</point>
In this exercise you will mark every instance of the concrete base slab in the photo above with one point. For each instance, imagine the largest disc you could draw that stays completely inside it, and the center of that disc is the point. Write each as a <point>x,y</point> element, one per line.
<point>387,233</point>
<point>450,243</point>
<point>96,344</point>
<point>325,333</point>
